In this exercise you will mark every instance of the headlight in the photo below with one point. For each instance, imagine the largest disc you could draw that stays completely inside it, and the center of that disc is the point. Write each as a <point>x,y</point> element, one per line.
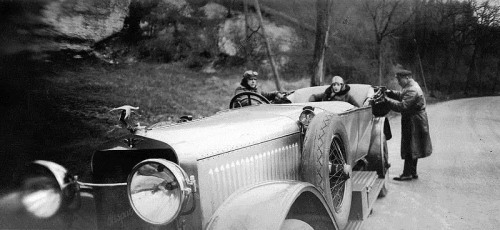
<point>47,188</point>
<point>158,190</point>
<point>41,197</point>
<point>306,116</point>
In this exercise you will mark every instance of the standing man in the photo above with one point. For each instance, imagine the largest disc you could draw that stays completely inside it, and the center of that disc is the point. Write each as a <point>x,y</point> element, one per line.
<point>415,138</point>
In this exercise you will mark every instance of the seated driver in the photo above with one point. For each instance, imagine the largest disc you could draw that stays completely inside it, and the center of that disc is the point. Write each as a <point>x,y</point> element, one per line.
<point>337,91</point>
<point>249,84</point>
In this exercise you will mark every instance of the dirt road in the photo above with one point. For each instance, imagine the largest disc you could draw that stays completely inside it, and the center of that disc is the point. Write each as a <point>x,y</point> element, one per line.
<point>459,184</point>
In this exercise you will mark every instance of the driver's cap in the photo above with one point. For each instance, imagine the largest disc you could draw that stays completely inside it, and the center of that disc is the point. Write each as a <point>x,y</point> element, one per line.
<point>403,73</point>
<point>250,74</point>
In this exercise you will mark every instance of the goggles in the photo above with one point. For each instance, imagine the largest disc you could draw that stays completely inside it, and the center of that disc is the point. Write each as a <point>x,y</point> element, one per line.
<point>250,74</point>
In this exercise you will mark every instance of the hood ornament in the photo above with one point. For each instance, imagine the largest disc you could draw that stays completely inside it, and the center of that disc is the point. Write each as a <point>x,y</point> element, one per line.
<point>132,141</point>
<point>126,112</point>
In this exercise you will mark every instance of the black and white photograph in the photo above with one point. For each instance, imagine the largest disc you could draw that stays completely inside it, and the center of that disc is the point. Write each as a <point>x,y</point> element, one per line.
<point>250,114</point>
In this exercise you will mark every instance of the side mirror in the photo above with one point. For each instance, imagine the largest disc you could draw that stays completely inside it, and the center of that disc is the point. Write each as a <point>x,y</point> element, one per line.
<point>47,188</point>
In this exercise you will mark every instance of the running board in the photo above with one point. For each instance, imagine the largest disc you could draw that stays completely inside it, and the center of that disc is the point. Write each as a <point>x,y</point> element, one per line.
<point>366,187</point>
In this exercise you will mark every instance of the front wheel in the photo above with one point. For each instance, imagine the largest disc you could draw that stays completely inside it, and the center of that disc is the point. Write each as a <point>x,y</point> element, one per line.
<point>324,164</point>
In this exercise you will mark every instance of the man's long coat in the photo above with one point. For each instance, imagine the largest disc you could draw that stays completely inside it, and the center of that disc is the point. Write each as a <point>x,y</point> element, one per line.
<point>415,138</point>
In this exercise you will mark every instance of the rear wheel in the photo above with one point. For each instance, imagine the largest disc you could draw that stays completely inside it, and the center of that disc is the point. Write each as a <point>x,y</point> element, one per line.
<point>324,164</point>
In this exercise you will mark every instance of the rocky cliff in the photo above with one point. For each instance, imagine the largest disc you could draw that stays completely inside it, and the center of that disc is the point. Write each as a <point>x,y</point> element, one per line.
<point>42,25</point>
<point>161,30</point>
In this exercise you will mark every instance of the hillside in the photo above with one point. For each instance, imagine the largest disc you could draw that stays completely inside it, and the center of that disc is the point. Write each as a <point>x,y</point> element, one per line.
<point>59,110</point>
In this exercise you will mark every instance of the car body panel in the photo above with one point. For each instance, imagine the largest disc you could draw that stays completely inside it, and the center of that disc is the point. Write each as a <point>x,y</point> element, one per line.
<point>220,176</point>
<point>265,206</point>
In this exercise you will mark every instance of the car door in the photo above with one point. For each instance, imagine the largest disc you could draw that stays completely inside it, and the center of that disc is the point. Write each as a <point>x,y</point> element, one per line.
<point>365,126</point>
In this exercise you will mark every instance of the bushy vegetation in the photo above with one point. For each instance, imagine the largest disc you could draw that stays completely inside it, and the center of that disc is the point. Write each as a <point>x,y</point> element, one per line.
<point>452,44</point>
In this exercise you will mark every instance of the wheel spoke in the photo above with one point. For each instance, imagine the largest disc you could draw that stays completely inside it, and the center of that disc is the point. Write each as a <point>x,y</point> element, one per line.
<point>336,174</point>
<point>338,194</point>
<point>337,153</point>
<point>337,177</point>
<point>336,185</point>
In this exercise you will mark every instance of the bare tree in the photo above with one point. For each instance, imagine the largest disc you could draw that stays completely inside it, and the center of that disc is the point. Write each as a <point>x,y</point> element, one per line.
<point>486,21</point>
<point>387,16</point>
<point>323,8</point>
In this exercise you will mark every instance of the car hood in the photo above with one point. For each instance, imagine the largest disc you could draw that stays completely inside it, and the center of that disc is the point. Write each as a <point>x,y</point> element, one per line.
<point>232,129</point>
<point>227,131</point>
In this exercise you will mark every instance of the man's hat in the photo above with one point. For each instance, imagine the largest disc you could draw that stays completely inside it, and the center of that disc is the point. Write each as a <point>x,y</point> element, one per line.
<point>250,74</point>
<point>403,73</point>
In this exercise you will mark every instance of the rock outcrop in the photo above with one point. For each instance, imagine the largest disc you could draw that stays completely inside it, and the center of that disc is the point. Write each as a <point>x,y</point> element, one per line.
<point>43,25</point>
<point>233,40</point>
<point>168,30</point>
<point>89,20</point>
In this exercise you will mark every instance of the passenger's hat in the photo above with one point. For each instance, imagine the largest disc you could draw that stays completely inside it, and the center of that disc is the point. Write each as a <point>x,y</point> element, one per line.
<point>403,73</point>
<point>337,79</point>
<point>250,74</point>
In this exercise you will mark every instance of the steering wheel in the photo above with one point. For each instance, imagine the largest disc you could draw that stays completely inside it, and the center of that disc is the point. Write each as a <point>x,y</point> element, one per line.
<point>246,99</point>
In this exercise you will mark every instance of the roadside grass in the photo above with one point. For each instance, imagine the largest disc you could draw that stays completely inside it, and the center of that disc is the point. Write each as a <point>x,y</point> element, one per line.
<point>61,111</point>
<point>163,92</point>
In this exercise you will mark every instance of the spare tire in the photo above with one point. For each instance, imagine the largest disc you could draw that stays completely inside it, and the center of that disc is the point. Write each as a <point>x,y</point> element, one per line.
<point>324,164</point>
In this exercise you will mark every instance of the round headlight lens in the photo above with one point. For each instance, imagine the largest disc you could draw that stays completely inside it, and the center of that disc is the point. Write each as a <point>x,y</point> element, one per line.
<point>306,116</point>
<point>41,196</point>
<point>47,188</point>
<point>156,191</point>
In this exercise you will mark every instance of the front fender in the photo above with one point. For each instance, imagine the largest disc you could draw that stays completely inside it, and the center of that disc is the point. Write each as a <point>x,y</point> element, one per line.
<point>267,205</point>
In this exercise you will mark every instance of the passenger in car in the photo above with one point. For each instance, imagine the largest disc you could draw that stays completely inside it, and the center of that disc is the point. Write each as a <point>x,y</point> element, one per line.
<point>249,84</point>
<point>337,91</point>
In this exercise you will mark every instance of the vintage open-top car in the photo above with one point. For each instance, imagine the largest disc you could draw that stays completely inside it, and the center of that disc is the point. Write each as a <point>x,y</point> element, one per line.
<point>276,166</point>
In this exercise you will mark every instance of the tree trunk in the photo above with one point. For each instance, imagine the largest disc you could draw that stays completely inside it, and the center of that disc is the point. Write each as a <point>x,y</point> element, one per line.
<point>268,48</point>
<point>379,61</point>
<point>245,10</point>
<point>322,29</point>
